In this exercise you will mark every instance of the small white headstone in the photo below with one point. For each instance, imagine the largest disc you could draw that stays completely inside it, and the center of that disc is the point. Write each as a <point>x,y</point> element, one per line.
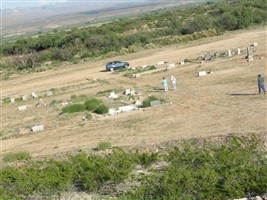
<point>24,98</point>
<point>202,73</point>
<point>65,103</point>
<point>182,63</point>
<point>144,66</point>
<point>154,103</point>
<point>132,92</point>
<point>49,93</point>
<point>138,103</point>
<point>22,107</point>
<point>238,51</point>
<point>12,100</point>
<point>254,44</point>
<point>229,53</point>
<point>34,95</point>
<point>161,63</point>
<point>171,65</point>
<point>38,128</point>
<point>127,92</point>
<point>137,75</point>
<point>113,95</point>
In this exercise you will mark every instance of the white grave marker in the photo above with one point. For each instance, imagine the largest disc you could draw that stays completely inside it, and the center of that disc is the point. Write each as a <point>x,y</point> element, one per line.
<point>49,93</point>
<point>161,63</point>
<point>238,51</point>
<point>202,73</point>
<point>22,107</point>
<point>24,98</point>
<point>34,95</point>
<point>12,100</point>
<point>38,128</point>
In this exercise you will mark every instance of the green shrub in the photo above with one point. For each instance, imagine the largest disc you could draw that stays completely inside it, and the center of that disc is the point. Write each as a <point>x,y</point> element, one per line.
<point>16,156</point>
<point>102,109</point>
<point>88,117</point>
<point>147,159</point>
<point>92,104</point>
<point>73,108</point>
<point>146,102</point>
<point>103,146</point>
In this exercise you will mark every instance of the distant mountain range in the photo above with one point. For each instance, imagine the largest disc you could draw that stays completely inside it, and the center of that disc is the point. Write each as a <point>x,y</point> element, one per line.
<point>22,21</point>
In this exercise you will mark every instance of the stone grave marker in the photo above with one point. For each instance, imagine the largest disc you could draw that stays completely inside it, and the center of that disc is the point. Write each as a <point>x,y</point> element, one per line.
<point>202,73</point>
<point>229,52</point>
<point>24,98</point>
<point>24,107</point>
<point>238,51</point>
<point>154,103</point>
<point>127,92</point>
<point>34,95</point>
<point>49,93</point>
<point>144,66</point>
<point>182,63</point>
<point>161,63</point>
<point>112,95</point>
<point>38,128</point>
<point>12,100</point>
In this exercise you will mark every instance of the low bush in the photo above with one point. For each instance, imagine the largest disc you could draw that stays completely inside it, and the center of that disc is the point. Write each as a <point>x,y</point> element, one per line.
<point>73,108</point>
<point>92,104</point>
<point>16,156</point>
<point>103,146</point>
<point>102,109</point>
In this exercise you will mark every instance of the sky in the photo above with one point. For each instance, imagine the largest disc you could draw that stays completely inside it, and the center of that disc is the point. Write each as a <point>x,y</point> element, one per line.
<point>11,4</point>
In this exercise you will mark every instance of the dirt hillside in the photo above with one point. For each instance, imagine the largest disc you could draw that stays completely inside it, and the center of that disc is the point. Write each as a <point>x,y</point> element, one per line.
<point>220,103</point>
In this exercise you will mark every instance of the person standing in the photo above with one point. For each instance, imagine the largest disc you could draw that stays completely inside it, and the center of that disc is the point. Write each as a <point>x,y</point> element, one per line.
<point>165,84</point>
<point>260,81</point>
<point>173,80</point>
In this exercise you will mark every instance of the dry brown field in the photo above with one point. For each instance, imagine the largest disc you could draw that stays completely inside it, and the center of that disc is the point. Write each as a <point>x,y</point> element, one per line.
<point>218,104</point>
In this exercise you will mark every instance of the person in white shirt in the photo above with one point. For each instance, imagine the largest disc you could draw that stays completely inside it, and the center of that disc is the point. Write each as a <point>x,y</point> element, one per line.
<point>173,80</point>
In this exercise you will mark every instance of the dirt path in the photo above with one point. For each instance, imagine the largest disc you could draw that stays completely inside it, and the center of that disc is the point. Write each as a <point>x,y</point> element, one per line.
<point>221,103</point>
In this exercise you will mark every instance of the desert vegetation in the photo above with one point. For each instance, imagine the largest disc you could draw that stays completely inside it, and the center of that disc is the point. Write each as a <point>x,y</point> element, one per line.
<point>231,168</point>
<point>128,35</point>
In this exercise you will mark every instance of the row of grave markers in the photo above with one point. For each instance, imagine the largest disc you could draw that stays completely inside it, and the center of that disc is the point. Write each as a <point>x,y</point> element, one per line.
<point>34,95</point>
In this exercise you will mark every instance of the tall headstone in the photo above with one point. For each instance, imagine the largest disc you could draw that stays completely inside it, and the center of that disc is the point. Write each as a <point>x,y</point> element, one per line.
<point>238,51</point>
<point>249,56</point>
<point>229,52</point>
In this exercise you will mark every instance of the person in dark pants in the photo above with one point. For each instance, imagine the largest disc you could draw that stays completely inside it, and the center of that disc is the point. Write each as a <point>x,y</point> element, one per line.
<point>260,81</point>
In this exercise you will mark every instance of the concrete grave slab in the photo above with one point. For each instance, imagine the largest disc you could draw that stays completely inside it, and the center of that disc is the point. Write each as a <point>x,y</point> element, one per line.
<point>161,63</point>
<point>24,107</point>
<point>127,108</point>
<point>38,128</point>
<point>154,103</point>
<point>202,73</point>
<point>49,93</point>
